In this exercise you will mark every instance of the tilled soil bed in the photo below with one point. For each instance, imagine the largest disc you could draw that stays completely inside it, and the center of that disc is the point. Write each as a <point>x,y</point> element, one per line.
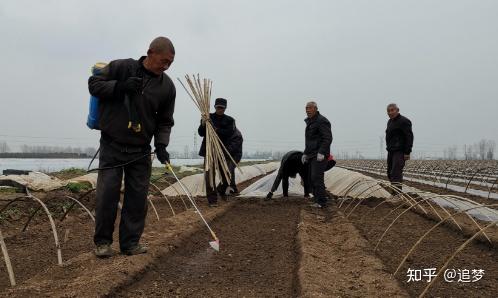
<point>258,257</point>
<point>432,253</point>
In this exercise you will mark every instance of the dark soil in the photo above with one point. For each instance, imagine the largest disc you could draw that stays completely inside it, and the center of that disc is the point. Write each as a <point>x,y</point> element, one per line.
<point>33,250</point>
<point>275,249</point>
<point>258,257</point>
<point>432,253</point>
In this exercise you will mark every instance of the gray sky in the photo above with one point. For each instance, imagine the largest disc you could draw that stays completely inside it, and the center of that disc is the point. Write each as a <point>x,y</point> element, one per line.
<point>437,59</point>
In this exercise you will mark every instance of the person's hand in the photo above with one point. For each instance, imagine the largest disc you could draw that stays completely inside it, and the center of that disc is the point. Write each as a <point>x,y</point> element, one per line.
<point>304,158</point>
<point>131,85</point>
<point>320,157</point>
<point>407,156</point>
<point>162,154</point>
<point>269,195</point>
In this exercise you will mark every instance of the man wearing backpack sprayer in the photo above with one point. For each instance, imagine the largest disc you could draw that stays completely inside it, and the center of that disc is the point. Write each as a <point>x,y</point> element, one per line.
<point>136,103</point>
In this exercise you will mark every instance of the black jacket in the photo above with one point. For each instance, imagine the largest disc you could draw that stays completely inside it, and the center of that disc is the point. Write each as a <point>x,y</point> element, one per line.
<point>290,166</point>
<point>155,104</point>
<point>399,135</point>
<point>224,126</point>
<point>235,145</point>
<point>318,136</point>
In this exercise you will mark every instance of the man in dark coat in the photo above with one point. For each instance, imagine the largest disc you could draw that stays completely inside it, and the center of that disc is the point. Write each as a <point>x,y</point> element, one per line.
<point>136,103</point>
<point>318,138</point>
<point>399,143</point>
<point>224,126</point>
<point>290,166</point>
<point>235,149</point>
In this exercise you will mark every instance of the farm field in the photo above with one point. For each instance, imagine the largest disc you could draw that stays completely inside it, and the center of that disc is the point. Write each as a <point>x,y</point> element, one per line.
<point>283,248</point>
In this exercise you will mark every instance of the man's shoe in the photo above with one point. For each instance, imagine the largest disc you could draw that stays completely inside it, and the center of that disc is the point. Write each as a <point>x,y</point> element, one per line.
<point>213,205</point>
<point>103,251</point>
<point>135,250</point>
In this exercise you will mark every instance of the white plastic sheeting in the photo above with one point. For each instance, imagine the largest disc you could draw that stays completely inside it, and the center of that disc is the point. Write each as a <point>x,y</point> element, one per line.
<point>88,178</point>
<point>36,181</point>
<point>484,213</point>
<point>338,182</point>
<point>195,183</point>
<point>462,189</point>
<point>260,188</point>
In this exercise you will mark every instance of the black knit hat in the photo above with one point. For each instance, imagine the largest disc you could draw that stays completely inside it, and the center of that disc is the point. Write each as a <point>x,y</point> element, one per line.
<point>220,102</point>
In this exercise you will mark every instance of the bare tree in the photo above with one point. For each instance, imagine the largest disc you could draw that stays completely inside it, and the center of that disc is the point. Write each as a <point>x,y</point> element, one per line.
<point>186,152</point>
<point>491,146</point>
<point>4,147</point>
<point>452,152</point>
<point>481,147</point>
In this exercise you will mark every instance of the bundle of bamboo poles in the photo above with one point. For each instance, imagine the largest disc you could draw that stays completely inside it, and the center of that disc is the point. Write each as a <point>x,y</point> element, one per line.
<point>216,152</point>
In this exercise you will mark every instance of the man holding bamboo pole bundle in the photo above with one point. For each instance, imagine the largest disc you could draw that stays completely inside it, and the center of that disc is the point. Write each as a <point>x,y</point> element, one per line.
<point>224,126</point>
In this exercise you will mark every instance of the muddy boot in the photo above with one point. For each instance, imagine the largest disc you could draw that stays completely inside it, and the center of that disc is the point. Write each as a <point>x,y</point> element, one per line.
<point>103,251</point>
<point>135,250</point>
<point>269,196</point>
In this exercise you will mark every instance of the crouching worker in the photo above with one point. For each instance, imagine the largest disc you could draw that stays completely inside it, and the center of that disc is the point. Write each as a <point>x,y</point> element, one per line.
<point>224,126</point>
<point>136,103</point>
<point>290,166</point>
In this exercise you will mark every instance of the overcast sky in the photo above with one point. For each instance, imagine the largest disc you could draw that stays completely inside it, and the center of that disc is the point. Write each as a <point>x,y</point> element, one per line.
<point>437,59</point>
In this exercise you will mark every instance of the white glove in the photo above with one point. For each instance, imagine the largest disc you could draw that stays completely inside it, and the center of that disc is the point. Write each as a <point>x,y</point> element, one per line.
<point>304,158</point>
<point>320,157</point>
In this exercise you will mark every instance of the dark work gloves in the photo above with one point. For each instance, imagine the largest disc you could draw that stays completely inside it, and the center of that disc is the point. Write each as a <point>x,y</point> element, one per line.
<point>162,154</point>
<point>131,85</point>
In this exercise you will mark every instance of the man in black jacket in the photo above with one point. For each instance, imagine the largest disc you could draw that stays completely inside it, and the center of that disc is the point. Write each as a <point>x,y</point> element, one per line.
<point>399,141</point>
<point>290,166</point>
<point>225,128</point>
<point>318,138</point>
<point>136,103</point>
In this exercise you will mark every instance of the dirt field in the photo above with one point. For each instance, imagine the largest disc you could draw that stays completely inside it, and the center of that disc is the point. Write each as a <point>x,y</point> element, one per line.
<point>258,257</point>
<point>431,254</point>
<point>280,248</point>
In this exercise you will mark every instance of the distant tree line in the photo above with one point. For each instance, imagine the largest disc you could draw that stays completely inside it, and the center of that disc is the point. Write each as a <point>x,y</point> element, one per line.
<point>481,150</point>
<point>36,151</point>
<point>44,155</point>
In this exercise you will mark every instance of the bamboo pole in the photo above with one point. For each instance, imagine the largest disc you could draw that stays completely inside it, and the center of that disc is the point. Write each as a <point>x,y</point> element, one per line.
<point>216,164</point>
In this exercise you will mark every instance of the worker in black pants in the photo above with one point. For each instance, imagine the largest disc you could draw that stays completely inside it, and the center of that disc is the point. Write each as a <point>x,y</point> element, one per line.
<point>318,138</point>
<point>224,126</point>
<point>290,166</point>
<point>136,103</point>
<point>235,149</point>
<point>399,143</point>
